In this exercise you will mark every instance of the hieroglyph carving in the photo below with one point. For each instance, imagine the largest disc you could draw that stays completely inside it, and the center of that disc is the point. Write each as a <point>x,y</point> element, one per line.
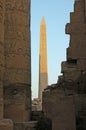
<point>17,40</point>
<point>16,5</point>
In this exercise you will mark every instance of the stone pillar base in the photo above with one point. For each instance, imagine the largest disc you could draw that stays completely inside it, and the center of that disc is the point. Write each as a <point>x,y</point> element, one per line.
<point>6,124</point>
<point>25,125</point>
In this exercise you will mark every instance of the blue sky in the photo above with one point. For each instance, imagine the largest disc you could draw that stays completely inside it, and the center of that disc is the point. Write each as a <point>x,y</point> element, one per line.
<point>57,15</point>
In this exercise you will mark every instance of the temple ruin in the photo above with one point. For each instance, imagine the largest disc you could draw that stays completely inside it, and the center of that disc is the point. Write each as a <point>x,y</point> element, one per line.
<point>68,96</point>
<point>64,103</point>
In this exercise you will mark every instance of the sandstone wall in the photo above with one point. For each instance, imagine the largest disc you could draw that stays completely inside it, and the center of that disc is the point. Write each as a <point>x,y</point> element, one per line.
<point>60,109</point>
<point>65,102</point>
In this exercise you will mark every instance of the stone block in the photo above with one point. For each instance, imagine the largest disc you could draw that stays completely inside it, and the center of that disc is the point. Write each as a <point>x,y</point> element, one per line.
<point>16,76</point>
<point>72,75</point>
<point>79,6</point>
<point>25,125</point>
<point>17,104</point>
<point>77,17</point>
<point>75,53</point>
<point>76,28</point>
<point>76,42</point>
<point>6,124</point>
<point>80,108</point>
<point>68,52</point>
<point>62,111</point>
<point>16,112</point>
<point>81,64</point>
<point>14,60</point>
<point>65,67</point>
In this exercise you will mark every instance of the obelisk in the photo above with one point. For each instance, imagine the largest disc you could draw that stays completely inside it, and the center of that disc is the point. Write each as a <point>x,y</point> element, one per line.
<point>43,70</point>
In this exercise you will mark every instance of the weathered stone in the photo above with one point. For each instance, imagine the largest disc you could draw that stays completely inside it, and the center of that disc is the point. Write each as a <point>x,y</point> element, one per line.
<point>77,17</point>
<point>17,102</point>
<point>17,43</point>
<point>6,124</point>
<point>15,62</point>
<point>36,104</point>
<point>79,6</point>
<point>1,100</point>
<point>62,112</point>
<point>80,111</point>
<point>65,102</point>
<point>2,62</point>
<point>25,125</point>
<point>17,75</point>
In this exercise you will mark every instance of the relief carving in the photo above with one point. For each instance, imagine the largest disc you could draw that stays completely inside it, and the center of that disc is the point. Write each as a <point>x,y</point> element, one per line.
<point>11,47</point>
<point>17,5</point>
<point>1,17</point>
<point>22,5</point>
<point>10,19</point>
<point>9,5</point>
<point>16,40</point>
<point>1,6</point>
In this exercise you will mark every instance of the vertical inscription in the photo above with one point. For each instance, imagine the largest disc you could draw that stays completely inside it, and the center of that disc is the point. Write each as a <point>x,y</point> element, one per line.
<point>1,11</point>
<point>22,6</point>
<point>17,40</point>
<point>9,5</point>
<point>17,5</point>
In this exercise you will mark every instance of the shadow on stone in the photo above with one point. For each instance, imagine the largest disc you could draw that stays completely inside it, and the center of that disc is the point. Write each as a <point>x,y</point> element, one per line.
<point>44,123</point>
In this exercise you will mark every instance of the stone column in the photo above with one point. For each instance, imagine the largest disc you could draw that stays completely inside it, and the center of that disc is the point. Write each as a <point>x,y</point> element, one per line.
<point>5,124</point>
<point>17,85</point>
